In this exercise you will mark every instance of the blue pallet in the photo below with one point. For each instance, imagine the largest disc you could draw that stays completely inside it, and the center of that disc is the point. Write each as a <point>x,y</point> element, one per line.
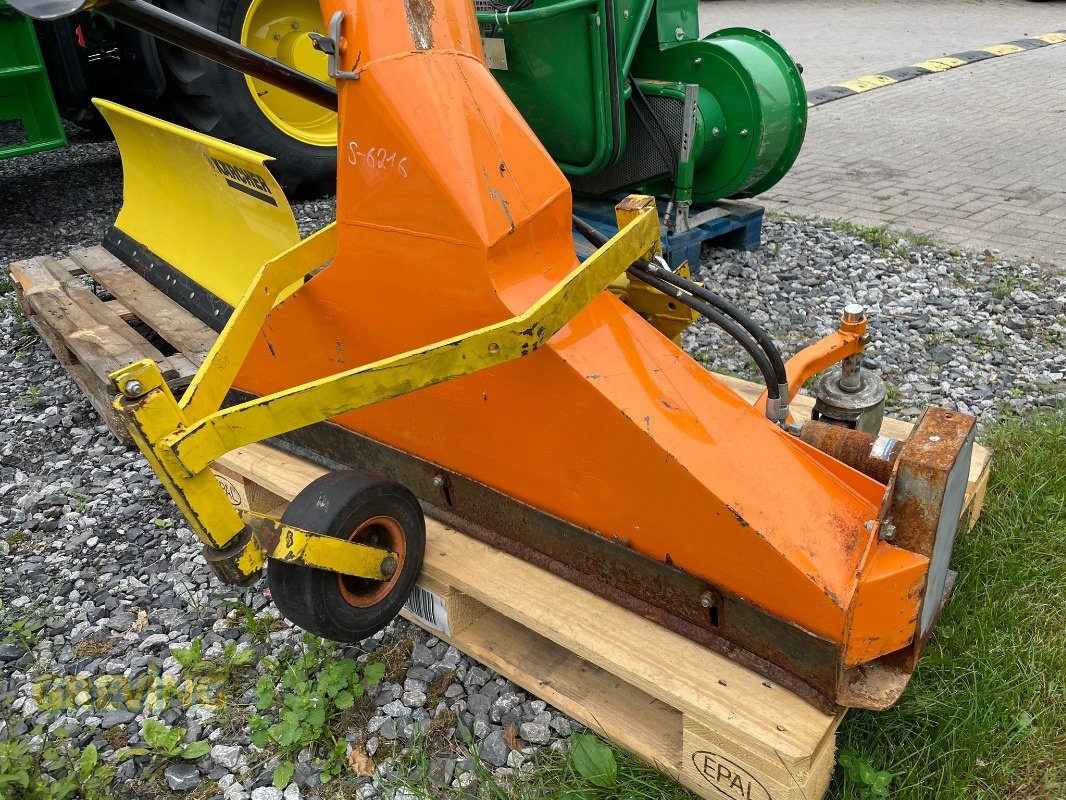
<point>740,229</point>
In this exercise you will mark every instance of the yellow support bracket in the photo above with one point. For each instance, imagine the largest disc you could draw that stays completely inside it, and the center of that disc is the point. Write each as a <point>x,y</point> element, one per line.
<point>181,440</point>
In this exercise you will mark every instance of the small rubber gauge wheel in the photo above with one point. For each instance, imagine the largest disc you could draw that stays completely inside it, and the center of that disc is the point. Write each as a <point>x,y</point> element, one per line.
<point>357,507</point>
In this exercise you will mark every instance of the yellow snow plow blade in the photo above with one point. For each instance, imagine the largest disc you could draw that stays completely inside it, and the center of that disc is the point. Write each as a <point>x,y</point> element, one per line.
<point>199,216</point>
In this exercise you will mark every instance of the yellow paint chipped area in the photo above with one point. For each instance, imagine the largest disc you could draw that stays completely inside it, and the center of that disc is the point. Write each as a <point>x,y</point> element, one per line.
<point>940,64</point>
<point>1002,49</point>
<point>1051,38</point>
<point>867,83</point>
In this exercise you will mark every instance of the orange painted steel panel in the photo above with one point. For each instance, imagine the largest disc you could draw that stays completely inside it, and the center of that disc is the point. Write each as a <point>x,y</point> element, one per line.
<point>451,216</point>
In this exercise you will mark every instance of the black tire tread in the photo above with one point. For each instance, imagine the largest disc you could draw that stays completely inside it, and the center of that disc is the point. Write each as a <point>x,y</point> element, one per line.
<point>309,597</point>
<point>214,100</point>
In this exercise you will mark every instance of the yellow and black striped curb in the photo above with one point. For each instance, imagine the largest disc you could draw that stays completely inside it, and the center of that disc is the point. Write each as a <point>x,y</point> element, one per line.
<point>827,94</point>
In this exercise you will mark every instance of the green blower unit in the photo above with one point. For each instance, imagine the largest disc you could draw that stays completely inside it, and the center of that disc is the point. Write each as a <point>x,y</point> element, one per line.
<point>627,97</point>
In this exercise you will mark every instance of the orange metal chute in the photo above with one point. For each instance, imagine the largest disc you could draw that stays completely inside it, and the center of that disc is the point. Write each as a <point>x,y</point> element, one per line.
<point>452,216</point>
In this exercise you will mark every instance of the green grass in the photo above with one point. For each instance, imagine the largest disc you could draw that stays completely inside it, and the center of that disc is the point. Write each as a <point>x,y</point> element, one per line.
<point>984,716</point>
<point>883,237</point>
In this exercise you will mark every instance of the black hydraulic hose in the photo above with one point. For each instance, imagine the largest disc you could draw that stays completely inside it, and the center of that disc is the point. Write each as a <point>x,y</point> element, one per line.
<point>718,310</point>
<point>742,318</point>
<point>727,324</point>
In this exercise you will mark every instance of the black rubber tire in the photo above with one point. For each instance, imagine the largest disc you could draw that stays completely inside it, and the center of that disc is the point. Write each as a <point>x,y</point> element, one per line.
<point>336,505</point>
<point>215,100</point>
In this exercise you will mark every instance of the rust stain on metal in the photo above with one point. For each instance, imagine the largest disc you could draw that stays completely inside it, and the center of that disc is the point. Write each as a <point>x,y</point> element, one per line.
<point>740,520</point>
<point>420,22</point>
<point>869,454</point>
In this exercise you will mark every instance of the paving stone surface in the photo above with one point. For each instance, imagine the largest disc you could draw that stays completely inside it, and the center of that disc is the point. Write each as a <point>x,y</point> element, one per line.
<point>973,156</point>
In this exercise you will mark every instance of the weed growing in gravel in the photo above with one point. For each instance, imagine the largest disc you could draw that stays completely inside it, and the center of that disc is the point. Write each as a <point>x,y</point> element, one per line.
<point>1005,288</point>
<point>883,237</point>
<point>315,688</point>
<point>166,741</point>
<point>21,626</point>
<point>591,769</point>
<point>51,770</point>
<point>220,669</point>
<point>33,397</point>
<point>258,626</point>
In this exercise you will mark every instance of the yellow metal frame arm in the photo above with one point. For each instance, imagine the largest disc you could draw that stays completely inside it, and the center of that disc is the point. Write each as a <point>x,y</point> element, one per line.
<point>181,440</point>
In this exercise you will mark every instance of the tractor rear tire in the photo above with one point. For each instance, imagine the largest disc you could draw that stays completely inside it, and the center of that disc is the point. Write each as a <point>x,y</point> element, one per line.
<point>218,101</point>
<point>359,507</point>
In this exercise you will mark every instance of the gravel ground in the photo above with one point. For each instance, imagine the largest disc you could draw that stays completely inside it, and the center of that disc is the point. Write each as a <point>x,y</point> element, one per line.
<point>94,553</point>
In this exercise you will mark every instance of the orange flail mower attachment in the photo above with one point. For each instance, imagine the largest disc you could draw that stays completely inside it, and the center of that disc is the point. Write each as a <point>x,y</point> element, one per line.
<point>596,449</point>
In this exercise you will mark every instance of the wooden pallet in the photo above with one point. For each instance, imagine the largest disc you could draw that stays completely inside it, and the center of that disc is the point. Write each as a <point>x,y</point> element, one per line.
<point>716,727</point>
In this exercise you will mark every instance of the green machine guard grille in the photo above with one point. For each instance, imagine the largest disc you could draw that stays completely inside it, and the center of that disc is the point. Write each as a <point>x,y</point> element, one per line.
<point>29,120</point>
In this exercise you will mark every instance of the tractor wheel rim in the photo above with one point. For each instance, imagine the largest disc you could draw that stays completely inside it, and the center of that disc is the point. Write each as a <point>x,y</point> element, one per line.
<point>383,532</point>
<point>279,29</point>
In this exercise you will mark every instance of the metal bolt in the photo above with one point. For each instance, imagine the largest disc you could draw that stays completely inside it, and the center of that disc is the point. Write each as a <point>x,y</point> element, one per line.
<point>597,18</point>
<point>388,566</point>
<point>494,348</point>
<point>744,132</point>
<point>715,131</point>
<point>295,25</point>
<point>438,480</point>
<point>679,33</point>
<point>625,14</point>
<point>707,600</point>
<point>277,37</point>
<point>888,531</point>
<point>132,388</point>
<point>853,312</point>
<point>698,61</point>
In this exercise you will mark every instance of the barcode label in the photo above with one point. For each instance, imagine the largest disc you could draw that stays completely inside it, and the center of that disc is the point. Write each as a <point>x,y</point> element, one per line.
<point>429,609</point>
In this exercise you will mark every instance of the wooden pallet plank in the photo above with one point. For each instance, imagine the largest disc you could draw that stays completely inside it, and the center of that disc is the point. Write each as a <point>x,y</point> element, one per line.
<point>173,323</point>
<point>98,310</point>
<point>99,348</point>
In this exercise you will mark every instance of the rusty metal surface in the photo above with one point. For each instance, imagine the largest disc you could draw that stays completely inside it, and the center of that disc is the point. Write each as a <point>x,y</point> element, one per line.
<point>921,482</point>
<point>224,562</point>
<point>869,454</point>
<point>420,22</point>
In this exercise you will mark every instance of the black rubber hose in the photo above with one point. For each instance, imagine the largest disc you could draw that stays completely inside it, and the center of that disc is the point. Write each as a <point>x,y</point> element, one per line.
<point>727,324</point>
<point>753,330</point>
<point>742,318</point>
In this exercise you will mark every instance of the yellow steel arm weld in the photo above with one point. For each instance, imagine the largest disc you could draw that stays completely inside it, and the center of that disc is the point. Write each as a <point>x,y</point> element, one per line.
<point>216,434</point>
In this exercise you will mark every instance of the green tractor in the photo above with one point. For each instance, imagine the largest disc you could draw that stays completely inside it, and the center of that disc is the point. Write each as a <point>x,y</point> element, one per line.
<point>624,94</point>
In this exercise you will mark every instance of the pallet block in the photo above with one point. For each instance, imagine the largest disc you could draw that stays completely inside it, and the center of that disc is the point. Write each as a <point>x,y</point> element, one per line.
<point>731,224</point>
<point>719,729</point>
